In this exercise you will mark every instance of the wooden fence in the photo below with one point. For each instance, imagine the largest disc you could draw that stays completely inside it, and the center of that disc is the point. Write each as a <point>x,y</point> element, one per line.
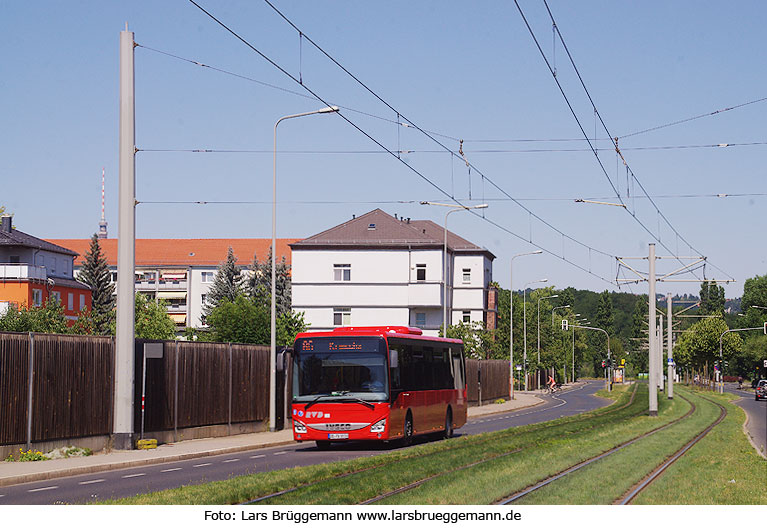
<point>488,380</point>
<point>201,383</point>
<point>69,380</point>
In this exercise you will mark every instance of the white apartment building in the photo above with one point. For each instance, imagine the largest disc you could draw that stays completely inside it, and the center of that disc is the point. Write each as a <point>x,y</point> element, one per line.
<point>179,271</point>
<point>381,270</point>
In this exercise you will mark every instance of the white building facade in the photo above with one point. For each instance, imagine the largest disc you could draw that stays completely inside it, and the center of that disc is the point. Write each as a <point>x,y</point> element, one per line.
<point>380,270</point>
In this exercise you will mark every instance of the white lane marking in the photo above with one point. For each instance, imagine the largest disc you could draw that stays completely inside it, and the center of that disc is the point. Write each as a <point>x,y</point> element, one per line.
<point>134,475</point>
<point>281,453</point>
<point>203,465</point>
<point>258,456</point>
<point>171,469</point>
<point>231,460</point>
<point>43,489</point>
<point>92,481</point>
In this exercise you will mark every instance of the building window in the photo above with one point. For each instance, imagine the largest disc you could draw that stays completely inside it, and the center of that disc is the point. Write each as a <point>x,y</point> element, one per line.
<point>82,302</point>
<point>466,275</point>
<point>15,259</point>
<point>114,277</point>
<point>37,297</point>
<point>53,265</point>
<point>466,317</point>
<point>342,272</point>
<point>70,301</point>
<point>56,296</point>
<point>207,277</point>
<point>420,320</point>
<point>420,272</point>
<point>342,316</point>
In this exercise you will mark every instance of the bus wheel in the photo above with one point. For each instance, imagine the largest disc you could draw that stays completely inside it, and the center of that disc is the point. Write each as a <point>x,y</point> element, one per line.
<point>323,445</point>
<point>407,438</point>
<point>448,433</point>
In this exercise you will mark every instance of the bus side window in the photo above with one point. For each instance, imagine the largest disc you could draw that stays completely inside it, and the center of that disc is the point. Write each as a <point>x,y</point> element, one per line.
<point>396,383</point>
<point>457,369</point>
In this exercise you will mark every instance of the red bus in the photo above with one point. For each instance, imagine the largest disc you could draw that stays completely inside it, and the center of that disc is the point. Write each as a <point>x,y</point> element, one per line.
<point>376,383</point>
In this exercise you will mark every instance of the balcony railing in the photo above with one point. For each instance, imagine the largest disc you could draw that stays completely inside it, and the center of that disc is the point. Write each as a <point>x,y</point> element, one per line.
<point>22,271</point>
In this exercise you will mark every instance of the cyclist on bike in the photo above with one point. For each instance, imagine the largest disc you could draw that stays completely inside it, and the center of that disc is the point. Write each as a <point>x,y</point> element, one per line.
<point>552,384</point>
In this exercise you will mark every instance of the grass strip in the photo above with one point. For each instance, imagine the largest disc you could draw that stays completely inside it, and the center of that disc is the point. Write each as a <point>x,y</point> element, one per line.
<point>723,468</point>
<point>375,482</point>
<point>607,479</point>
<point>243,488</point>
<point>488,482</point>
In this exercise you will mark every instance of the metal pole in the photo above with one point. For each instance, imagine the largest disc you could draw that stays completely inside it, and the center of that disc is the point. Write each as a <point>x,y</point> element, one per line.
<point>143,395</point>
<point>175,400</point>
<point>651,320</point>
<point>573,355</point>
<point>229,424</point>
<point>511,327</point>
<point>669,338</point>
<point>273,320</point>
<point>126,249</point>
<point>659,363</point>
<point>29,389</point>
<point>524,334</point>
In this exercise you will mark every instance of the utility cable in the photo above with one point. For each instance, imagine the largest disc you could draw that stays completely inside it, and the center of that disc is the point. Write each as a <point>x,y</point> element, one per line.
<point>355,126</point>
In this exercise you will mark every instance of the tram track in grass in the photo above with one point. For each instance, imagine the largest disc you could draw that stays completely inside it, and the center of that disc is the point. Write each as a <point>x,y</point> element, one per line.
<point>465,453</point>
<point>619,474</point>
<point>549,480</point>
<point>630,495</point>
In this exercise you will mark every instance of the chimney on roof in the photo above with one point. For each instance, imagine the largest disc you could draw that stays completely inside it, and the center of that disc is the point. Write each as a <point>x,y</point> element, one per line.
<point>354,216</point>
<point>7,223</point>
<point>408,220</point>
<point>395,216</point>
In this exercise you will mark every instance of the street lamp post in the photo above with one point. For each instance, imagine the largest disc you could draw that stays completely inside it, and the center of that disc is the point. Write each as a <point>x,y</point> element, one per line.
<point>608,343</point>
<point>524,325</point>
<point>444,254</point>
<point>564,368</point>
<point>538,371</point>
<point>511,317</point>
<point>273,345</point>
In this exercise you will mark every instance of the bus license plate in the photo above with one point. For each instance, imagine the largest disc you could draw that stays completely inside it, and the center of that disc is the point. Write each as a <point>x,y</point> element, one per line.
<point>338,436</point>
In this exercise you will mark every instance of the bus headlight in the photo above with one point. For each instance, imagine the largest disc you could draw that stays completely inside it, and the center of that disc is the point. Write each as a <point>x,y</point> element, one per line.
<point>299,427</point>
<point>378,426</point>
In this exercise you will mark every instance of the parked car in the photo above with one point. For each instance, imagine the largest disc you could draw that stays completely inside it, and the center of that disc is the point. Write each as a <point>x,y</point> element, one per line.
<point>761,390</point>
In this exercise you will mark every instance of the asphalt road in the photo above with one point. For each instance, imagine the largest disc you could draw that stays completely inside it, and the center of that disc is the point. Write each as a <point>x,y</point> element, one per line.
<point>132,481</point>
<point>757,415</point>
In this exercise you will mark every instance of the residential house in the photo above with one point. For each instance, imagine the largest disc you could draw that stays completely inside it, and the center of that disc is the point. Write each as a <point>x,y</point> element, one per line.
<point>378,269</point>
<point>33,271</point>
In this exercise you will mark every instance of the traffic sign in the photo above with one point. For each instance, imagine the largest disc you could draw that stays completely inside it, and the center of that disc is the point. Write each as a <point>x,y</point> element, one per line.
<point>565,325</point>
<point>765,363</point>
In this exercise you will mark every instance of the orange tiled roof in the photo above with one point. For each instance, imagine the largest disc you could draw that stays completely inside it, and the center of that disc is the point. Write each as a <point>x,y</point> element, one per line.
<point>182,252</point>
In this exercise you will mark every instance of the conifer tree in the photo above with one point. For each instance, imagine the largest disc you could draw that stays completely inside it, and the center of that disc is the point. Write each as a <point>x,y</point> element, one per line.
<point>95,274</point>
<point>259,284</point>
<point>227,284</point>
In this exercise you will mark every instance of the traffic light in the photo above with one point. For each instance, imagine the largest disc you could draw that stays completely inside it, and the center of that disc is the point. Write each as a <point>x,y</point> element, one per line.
<point>623,362</point>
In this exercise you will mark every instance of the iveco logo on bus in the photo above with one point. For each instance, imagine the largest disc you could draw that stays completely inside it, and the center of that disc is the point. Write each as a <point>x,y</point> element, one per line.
<point>316,414</point>
<point>338,426</point>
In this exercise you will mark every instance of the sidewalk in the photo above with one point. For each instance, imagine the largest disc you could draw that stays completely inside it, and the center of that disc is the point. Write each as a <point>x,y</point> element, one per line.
<point>20,472</point>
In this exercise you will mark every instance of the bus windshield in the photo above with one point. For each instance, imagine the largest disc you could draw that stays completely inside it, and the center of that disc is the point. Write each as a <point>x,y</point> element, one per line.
<point>340,369</point>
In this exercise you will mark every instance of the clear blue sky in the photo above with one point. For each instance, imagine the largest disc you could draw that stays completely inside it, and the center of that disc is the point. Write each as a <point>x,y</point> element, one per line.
<point>463,70</point>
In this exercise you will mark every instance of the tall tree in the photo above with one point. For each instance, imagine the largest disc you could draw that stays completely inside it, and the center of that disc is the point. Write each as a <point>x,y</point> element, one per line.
<point>227,284</point>
<point>259,283</point>
<point>151,319</point>
<point>711,298</point>
<point>95,274</point>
